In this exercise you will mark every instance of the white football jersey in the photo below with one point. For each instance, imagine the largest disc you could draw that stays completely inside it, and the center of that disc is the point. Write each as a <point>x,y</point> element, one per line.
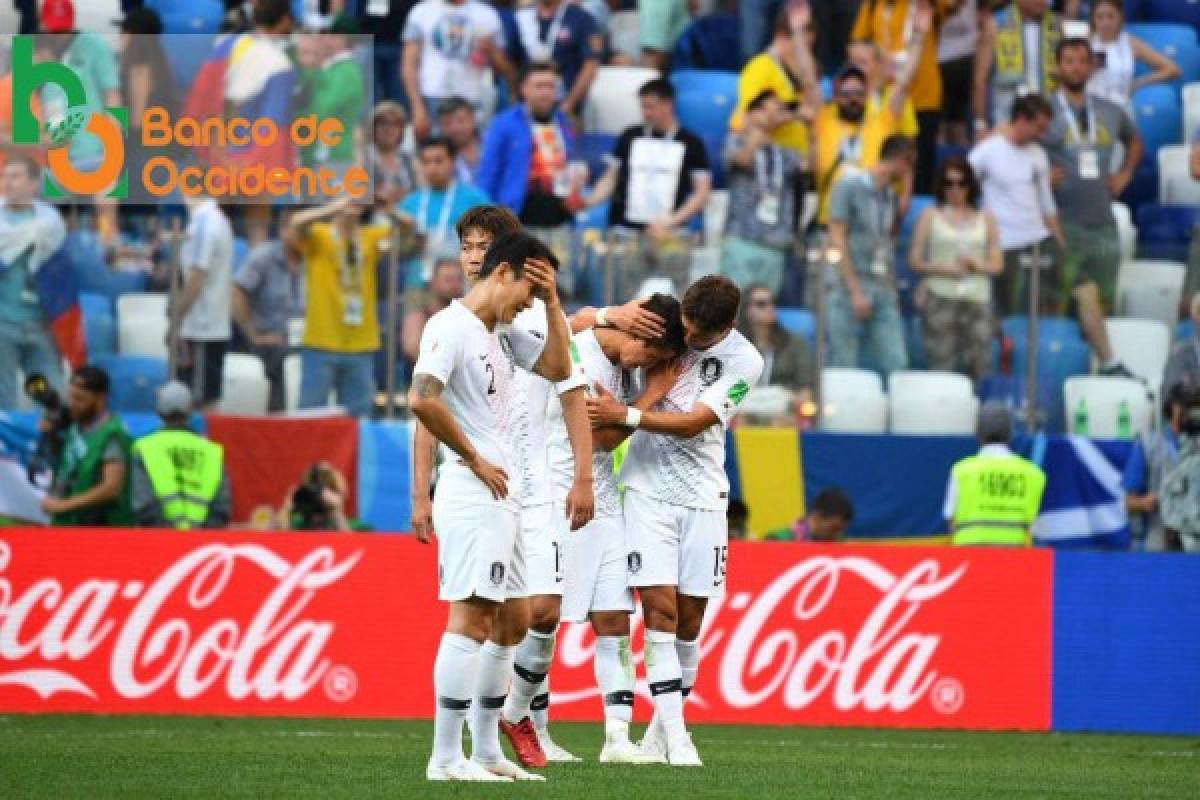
<point>589,363</point>
<point>472,364</point>
<point>691,472</point>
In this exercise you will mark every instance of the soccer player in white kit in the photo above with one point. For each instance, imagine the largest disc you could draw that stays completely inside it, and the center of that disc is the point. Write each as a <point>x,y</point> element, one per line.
<point>463,395</point>
<point>676,494</point>
<point>597,588</point>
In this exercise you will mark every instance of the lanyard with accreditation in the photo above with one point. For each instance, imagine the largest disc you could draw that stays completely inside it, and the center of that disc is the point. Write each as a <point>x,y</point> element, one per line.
<point>1089,157</point>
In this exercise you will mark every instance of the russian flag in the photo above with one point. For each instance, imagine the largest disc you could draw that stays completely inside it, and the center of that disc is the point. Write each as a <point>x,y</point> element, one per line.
<point>1084,502</point>
<point>249,76</point>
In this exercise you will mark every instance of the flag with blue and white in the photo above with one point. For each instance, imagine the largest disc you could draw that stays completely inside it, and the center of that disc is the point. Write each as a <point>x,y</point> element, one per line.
<point>1084,502</point>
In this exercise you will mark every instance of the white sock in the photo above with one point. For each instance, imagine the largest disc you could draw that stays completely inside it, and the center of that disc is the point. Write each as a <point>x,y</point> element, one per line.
<point>539,707</point>
<point>454,672</point>
<point>614,676</point>
<point>491,685</point>
<point>689,660</point>
<point>533,657</point>
<point>665,679</point>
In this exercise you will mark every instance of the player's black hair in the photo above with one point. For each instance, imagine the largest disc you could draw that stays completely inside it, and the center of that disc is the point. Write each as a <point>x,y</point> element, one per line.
<point>515,249</point>
<point>667,307</point>
<point>833,503</point>
<point>711,303</point>
<point>491,219</point>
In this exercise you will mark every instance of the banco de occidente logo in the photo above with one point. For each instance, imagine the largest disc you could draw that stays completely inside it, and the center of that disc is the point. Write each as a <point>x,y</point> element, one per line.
<point>110,126</point>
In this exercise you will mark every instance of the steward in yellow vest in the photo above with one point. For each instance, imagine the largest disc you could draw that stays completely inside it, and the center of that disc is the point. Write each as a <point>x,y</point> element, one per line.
<point>179,478</point>
<point>993,497</point>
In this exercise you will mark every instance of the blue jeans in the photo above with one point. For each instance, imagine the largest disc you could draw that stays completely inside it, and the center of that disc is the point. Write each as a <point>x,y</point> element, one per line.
<point>27,347</point>
<point>878,342</point>
<point>350,375</point>
<point>388,85</point>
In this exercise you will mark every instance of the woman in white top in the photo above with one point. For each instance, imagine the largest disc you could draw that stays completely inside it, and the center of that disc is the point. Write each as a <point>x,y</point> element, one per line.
<point>1117,54</point>
<point>957,247</point>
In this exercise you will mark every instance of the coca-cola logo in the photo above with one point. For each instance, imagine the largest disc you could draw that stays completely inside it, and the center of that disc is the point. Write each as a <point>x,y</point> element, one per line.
<point>156,641</point>
<point>781,646</point>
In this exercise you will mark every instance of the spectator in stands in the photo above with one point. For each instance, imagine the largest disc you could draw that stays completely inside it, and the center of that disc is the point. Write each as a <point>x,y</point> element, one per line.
<point>834,18</point>
<point>1119,53</point>
<point>1005,65</point>
<point>268,293</point>
<point>659,181</point>
<point>91,479</point>
<point>787,360</point>
<point>660,24</point>
<point>1191,283</point>
<point>905,32</point>
<point>30,231</point>
<point>1014,172</point>
<point>1080,145</point>
<point>145,78</point>
<point>864,313</point>
<point>957,40</point>
<point>179,478</point>
<point>830,513</point>
<point>1155,453</point>
<point>850,129</point>
<point>336,92</point>
<point>392,171</point>
<point>1183,364</point>
<point>445,286</point>
<point>384,23</point>
<point>341,327</point>
<point>318,503</point>
<point>763,177</point>
<point>787,69</point>
<point>436,207</point>
<point>957,247</point>
<point>456,122</point>
<point>565,35</point>
<point>201,319</point>
<point>528,165</point>
<point>448,47</point>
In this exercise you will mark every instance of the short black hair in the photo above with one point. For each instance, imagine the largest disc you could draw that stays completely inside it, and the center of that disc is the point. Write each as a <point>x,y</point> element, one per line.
<point>658,87</point>
<point>92,378</point>
<point>438,141</point>
<point>897,145</point>
<point>1068,44</point>
<point>491,219</point>
<point>515,249</point>
<point>667,307</point>
<point>761,99</point>
<point>711,303</point>
<point>537,66</point>
<point>832,503</point>
<point>1031,106</point>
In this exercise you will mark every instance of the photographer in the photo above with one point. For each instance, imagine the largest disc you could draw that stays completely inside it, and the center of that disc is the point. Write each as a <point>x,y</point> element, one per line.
<point>91,480</point>
<point>318,503</point>
<point>1155,454</point>
<point>1180,494</point>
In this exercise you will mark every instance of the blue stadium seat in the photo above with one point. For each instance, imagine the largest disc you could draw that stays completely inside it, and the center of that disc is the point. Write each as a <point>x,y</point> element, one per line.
<point>593,148</point>
<point>799,322</point>
<point>1143,188</point>
<point>1186,329</point>
<point>711,42</point>
<point>1159,115</point>
<point>1165,232</point>
<point>705,99</point>
<point>1056,328</point>
<point>914,340</point>
<point>185,55</point>
<point>714,146</point>
<point>164,7</point>
<point>1177,42</point>
<point>1185,13</point>
<point>133,381</point>
<point>199,18</point>
<point>240,248</point>
<point>594,218</point>
<point>99,324</point>
<point>826,88</point>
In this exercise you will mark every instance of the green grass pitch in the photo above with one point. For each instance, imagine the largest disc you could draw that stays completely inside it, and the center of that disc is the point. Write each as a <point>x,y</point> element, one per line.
<point>86,756</point>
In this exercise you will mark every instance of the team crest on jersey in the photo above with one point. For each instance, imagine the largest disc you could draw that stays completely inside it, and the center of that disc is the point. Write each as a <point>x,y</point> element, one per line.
<point>710,370</point>
<point>635,562</point>
<point>497,574</point>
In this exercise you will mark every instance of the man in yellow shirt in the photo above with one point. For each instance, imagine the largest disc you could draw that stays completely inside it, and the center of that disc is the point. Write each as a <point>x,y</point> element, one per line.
<point>892,26</point>
<point>341,327</point>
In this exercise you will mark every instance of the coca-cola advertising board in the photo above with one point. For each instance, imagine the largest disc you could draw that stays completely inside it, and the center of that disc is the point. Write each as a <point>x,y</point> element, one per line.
<point>347,625</point>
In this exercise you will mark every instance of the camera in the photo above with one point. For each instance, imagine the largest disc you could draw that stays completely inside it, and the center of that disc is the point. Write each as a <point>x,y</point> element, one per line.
<point>57,419</point>
<point>310,511</point>
<point>1189,398</point>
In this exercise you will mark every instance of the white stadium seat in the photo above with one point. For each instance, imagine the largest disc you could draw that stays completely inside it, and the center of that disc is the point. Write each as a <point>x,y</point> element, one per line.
<point>291,381</point>
<point>715,213</point>
<point>1150,290</point>
<point>1126,231</point>
<point>613,104</point>
<point>245,389</point>
<point>1101,398</point>
<point>932,403</point>
<point>1176,186</point>
<point>142,324</point>
<point>1142,345</point>
<point>853,401</point>
<point>624,34</point>
<point>767,401</point>
<point>1191,110</point>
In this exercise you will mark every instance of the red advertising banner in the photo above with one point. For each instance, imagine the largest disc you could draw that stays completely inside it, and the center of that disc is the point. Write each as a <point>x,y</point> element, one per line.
<point>347,625</point>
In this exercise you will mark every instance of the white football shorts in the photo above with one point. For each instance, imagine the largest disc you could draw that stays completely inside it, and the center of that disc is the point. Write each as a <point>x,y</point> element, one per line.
<point>542,529</point>
<point>672,545</point>
<point>477,545</point>
<point>596,576</point>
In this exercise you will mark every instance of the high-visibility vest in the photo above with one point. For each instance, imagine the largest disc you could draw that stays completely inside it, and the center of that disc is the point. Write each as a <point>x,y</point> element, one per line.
<point>185,473</point>
<point>998,500</point>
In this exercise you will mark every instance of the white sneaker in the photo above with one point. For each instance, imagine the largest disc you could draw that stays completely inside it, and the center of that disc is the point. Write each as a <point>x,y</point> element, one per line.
<point>623,751</point>
<point>554,753</point>
<point>682,753</point>
<point>654,743</point>
<point>507,769</point>
<point>462,770</point>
